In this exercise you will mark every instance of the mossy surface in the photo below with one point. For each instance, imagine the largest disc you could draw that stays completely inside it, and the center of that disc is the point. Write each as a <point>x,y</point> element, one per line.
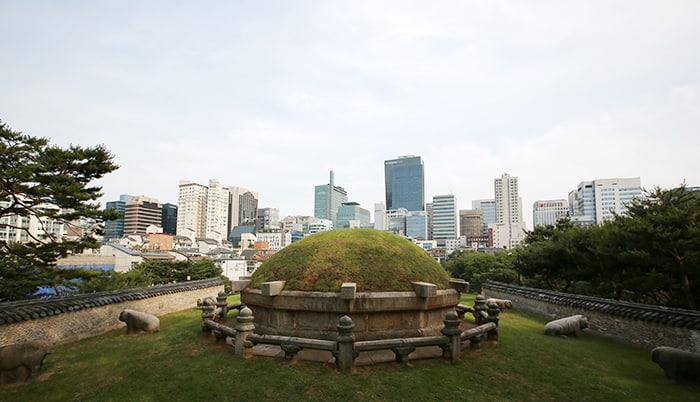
<point>375,260</point>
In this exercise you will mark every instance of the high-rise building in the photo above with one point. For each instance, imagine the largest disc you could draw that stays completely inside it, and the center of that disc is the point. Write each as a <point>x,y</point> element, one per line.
<point>213,211</point>
<point>380,221</point>
<point>169,218</point>
<point>488,208</point>
<point>596,201</point>
<point>268,220</point>
<point>429,216</point>
<point>327,199</point>
<point>24,229</point>
<point>509,229</point>
<point>351,215</point>
<point>141,212</point>
<point>192,209</point>
<point>247,207</point>
<point>114,229</point>
<point>396,221</point>
<point>217,219</point>
<point>417,225</point>
<point>471,222</point>
<point>243,206</point>
<point>444,217</point>
<point>404,181</point>
<point>548,212</point>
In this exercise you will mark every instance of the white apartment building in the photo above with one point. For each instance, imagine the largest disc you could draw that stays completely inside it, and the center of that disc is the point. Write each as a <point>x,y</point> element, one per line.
<point>191,209</point>
<point>509,229</point>
<point>548,212</point>
<point>596,201</point>
<point>206,211</point>
<point>216,223</point>
<point>22,229</point>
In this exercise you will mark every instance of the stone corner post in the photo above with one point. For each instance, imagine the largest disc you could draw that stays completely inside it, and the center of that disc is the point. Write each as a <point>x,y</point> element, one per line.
<point>452,331</point>
<point>207,314</point>
<point>493,312</point>
<point>222,306</point>
<point>244,327</point>
<point>345,348</point>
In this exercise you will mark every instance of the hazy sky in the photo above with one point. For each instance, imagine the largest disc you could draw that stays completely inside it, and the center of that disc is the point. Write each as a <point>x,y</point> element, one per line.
<point>272,95</point>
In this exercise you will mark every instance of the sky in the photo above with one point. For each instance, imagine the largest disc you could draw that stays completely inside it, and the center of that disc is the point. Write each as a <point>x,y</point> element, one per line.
<point>272,95</point>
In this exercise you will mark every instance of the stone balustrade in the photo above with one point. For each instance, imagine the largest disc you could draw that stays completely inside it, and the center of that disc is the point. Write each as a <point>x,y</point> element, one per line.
<point>345,348</point>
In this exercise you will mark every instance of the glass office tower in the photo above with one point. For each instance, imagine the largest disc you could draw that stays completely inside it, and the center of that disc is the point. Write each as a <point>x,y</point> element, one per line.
<point>404,181</point>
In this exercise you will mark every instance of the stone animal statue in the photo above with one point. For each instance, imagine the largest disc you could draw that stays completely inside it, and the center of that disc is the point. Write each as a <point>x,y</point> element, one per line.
<point>571,325</point>
<point>501,303</point>
<point>20,362</point>
<point>677,364</point>
<point>137,321</point>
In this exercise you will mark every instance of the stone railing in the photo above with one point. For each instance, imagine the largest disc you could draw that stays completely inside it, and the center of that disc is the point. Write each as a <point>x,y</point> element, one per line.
<point>345,348</point>
<point>61,320</point>
<point>640,324</point>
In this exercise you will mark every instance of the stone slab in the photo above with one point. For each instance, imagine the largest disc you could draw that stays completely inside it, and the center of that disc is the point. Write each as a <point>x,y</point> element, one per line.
<point>348,290</point>
<point>425,289</point>
<point>273,288</point>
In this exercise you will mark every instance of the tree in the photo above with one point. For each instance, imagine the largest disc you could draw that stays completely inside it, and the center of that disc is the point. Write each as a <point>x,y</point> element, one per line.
<point>48,184</point>
<point>663,237</point>
<point>476,267</point>
<point>177,271</point>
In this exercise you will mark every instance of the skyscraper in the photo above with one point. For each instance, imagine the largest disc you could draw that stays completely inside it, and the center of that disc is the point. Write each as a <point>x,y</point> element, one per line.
<point>444,215</point>
<point>508,231</point>
<point>404,182</point>
<point>114,229</point>
<point>169,218</point>
<point>247,208</point>
<point>140,213</point>
<point>211,211</point>
<point>192,209</point>
<point>596,201</point>
<point>327,199</point>
<point>243,206</point>
<point>488,207</point>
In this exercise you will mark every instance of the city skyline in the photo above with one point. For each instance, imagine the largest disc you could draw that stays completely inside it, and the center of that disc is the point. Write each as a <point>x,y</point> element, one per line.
<point>272,98</point>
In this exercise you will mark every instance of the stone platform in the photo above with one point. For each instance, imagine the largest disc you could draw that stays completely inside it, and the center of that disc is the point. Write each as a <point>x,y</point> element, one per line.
<point>363,359</point>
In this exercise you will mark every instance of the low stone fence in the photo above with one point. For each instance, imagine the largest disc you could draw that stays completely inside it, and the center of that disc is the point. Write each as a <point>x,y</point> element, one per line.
<point>641,324</point>
<point>344,347</point>
<point>62,320</point>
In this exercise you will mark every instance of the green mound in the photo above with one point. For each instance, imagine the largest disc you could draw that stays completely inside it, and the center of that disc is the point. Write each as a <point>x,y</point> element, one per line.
<point>375,260</point>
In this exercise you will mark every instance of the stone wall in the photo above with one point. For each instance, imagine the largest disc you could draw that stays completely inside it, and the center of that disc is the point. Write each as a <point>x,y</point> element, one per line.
<point>641,324</point>
<point>67,319</point>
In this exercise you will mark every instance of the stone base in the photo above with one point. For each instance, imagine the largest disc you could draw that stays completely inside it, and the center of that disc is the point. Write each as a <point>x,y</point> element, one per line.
<point>376,315</point>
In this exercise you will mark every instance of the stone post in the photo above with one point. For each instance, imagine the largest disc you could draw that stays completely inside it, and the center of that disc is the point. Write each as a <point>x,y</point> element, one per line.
<point>345,352</point>
<point>222,306</point>
<point>479,309</point>
<point>493,312</point>
<point>207,314</point>
<point>452,331</point>
<point>244,327</point>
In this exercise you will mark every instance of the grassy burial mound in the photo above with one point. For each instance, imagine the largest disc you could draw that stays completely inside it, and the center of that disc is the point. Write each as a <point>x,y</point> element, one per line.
<point>375,260</point>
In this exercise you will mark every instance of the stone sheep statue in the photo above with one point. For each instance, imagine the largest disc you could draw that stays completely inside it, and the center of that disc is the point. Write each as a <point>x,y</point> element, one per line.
<point>137,321</point>
<point>677,364</point>
<point>21,362</point>
<point>566,326</point>
<point>501,303</point>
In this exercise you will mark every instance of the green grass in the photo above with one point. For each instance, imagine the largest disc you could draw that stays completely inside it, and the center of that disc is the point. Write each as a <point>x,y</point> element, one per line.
<point>177,364</point>
<point>375,260</point>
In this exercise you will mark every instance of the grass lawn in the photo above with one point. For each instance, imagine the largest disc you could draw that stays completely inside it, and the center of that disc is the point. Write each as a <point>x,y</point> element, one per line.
<point>177,364</point>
